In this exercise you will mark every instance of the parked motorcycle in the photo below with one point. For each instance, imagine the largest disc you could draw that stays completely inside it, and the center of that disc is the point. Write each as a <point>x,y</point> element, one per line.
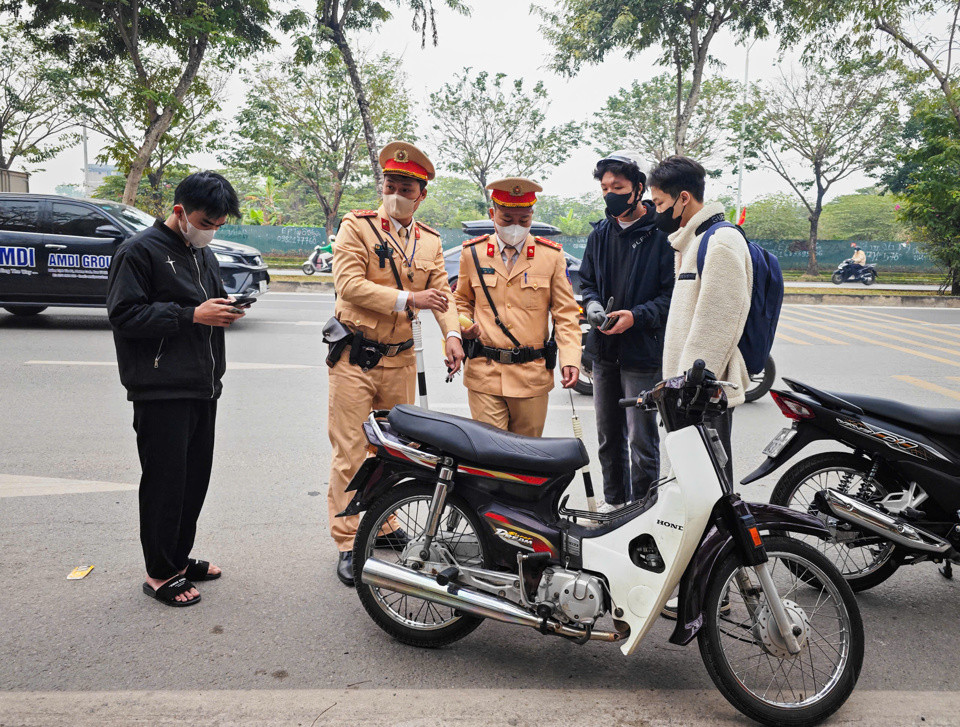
<point>487,534</point>
<point>761,382</point>
<point>867,274</point>
<point>894,500</point>
<point>321,259</point>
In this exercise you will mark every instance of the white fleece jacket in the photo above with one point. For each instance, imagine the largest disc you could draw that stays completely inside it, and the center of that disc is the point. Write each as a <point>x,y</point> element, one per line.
<point>707,314</point>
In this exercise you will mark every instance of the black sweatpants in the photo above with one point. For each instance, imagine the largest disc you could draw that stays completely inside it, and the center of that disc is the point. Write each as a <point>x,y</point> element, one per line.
<point>175,441</point>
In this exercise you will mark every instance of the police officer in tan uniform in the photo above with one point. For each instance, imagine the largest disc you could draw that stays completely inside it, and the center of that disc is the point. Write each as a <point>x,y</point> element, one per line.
<point>511,351</point>
<point>386,268</point>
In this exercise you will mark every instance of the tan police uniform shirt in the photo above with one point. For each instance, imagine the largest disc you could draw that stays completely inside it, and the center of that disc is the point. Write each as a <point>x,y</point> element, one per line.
<point>367,293</point>
<point>536,288</point>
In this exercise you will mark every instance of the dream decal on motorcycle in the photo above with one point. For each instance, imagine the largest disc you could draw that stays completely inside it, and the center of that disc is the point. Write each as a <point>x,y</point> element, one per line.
<point>894,441</point>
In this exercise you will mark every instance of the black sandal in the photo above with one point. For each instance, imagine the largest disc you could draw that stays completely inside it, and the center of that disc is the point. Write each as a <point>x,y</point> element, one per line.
<point>168,592</point>
<point>199,570</point>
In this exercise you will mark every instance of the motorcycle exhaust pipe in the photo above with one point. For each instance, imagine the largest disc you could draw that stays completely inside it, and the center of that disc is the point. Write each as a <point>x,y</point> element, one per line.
<point>380,574</point>
<point>880,523</point>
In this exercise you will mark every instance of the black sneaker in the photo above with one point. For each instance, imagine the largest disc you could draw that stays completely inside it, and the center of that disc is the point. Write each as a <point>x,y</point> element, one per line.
<point>397,540</point>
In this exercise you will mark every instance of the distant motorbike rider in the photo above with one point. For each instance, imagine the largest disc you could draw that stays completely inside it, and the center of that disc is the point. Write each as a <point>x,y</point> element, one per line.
<point>859,259</point>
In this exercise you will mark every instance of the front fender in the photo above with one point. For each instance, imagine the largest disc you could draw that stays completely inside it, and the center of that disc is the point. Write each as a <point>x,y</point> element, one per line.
<point>715,545</point>
<point>806,433</point>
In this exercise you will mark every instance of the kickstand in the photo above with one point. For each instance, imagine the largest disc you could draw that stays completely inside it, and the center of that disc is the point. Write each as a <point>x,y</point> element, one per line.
<point>946,570</point>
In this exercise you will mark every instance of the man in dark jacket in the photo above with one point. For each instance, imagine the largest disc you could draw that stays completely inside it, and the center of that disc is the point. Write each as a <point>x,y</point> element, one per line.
<point>629,260</point>
<point>168,309</point>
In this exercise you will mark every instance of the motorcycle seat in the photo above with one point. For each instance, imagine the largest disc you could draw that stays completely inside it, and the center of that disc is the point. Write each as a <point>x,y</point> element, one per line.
<point>473,441</point>
<point>937,421</point>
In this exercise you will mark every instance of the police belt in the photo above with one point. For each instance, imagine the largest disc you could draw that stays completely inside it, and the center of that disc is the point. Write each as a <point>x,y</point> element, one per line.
<point>386,349</point>
<point>525,354</point>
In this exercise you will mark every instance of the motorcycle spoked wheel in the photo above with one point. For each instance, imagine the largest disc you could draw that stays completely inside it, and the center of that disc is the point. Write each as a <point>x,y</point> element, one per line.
<point>744,656</point>
<point>864,562</point>
<point>406,618</point>
<point>761,383</point>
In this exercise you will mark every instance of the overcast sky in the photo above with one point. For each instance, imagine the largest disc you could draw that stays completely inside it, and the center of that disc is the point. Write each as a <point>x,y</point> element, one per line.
<point>502,36</point>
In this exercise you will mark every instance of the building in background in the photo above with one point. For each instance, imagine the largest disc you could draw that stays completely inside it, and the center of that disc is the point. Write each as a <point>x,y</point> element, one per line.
<point>14,181</point>
<point>94,176</point>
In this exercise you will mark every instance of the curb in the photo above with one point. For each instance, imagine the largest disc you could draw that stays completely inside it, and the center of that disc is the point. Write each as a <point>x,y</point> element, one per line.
<point>324,283</point>
<point>925,301</point>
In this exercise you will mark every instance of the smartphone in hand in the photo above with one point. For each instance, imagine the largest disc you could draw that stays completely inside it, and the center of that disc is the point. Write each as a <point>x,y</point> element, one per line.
<point>609,323</point>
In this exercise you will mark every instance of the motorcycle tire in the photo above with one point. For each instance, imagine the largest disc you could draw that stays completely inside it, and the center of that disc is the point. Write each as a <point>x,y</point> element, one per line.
<point>836,278</point>
<point>762,382</point>
<point>377,605</point>
<point>785,492</point>
<point>728,626</point>
<point>585,383</point>
<point>309,269</point>
<point>869,279</point>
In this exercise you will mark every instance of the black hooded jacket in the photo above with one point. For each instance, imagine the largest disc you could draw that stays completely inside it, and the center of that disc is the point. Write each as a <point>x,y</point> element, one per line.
<point>156,281</point>
<point>635,266</point>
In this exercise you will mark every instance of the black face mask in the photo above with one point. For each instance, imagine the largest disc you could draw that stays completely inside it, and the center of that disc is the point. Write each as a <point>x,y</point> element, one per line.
<point>619,204</point>
<point>666,222</point>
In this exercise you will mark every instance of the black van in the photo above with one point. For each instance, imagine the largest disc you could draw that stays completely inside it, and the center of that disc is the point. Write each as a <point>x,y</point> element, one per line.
<point>56,251</point>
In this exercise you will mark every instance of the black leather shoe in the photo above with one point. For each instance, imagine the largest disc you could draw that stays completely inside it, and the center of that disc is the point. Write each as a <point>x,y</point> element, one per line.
<point>397,540</point>
<point>345,568</point>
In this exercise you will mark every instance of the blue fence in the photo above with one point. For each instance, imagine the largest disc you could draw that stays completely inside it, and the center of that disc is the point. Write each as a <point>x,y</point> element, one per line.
<point>891,256</point>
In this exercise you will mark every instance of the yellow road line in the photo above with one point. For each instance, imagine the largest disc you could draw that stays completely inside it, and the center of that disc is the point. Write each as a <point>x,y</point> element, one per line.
<point>909,323</point>
<point>920,383</point>
<point>898,326</point>
<point>788,339</point>
<point>903,339</point>
<point>811,334</point>
<point>857,337</point>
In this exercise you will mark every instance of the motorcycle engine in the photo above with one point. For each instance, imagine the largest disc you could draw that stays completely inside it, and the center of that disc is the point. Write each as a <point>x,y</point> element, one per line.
<point>575,597</point>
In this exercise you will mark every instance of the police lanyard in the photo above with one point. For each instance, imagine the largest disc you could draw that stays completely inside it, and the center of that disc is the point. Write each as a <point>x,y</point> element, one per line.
<point>408,261</point>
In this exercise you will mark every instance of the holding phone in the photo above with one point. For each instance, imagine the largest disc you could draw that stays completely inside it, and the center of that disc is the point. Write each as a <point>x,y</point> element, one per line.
<point>609,322</point>
<point>244,300</point>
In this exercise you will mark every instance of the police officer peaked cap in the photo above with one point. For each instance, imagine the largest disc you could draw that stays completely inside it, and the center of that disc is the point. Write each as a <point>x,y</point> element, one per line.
<point>514,192</point>
<point>405,160</point>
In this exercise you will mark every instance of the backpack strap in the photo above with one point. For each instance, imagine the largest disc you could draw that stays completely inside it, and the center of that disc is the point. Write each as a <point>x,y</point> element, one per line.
<point>702,251</point>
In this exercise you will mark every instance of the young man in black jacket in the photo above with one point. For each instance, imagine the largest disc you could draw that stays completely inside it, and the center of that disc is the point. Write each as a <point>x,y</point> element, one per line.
<point>168,309</point>
<point>629,260</point>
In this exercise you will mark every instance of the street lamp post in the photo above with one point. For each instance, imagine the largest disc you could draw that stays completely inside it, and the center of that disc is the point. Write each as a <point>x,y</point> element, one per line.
<point>743,129</point>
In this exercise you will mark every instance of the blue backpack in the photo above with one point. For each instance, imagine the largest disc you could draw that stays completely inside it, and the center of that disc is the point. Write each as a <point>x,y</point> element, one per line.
<point>761,326</point>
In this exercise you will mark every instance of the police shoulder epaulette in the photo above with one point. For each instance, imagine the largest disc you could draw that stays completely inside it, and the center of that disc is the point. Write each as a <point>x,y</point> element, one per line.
<point>427,228</point>
<point>475,240</point>
<point>549,243</point>
<point>363,213</point>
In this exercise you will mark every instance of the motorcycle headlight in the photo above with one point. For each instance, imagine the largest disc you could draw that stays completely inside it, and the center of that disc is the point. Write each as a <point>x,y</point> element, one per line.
<point>221,258</point>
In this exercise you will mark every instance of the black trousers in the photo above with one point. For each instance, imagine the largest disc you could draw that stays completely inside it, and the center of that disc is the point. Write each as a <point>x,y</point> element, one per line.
<point>723,423</point>
<point>175,441</point>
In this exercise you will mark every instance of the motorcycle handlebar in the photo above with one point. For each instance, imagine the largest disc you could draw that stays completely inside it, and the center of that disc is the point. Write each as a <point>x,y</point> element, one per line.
<point>629,402</point>
<point>695,374</point>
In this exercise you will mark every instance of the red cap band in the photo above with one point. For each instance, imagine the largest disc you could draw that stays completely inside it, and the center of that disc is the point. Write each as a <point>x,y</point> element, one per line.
<point>505,199</point>
<point>406,169</point>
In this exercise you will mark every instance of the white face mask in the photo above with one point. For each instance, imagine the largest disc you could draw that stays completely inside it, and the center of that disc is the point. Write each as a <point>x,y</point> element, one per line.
<point>398,206</point>
<point>512,235</point>
<point>195,236</point>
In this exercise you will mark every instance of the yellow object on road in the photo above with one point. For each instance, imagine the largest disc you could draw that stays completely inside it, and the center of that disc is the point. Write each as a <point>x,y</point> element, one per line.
<point>81,571</point>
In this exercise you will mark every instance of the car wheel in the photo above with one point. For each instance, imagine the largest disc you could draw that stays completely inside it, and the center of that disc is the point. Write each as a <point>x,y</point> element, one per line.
<point>25,310</point>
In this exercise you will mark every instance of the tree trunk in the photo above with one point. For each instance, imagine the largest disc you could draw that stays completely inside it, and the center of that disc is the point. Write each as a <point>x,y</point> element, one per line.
<point>812,268</point>
<point>955,288</point>
<point>369,133</point>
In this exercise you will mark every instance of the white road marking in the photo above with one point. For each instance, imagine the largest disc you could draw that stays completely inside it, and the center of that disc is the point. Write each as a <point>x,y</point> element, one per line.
<point>26,486</point>
<point>231,365</point>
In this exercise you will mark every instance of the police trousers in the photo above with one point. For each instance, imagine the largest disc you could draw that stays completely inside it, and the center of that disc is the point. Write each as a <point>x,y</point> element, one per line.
<point>353,395</point>
<point>175,442</point>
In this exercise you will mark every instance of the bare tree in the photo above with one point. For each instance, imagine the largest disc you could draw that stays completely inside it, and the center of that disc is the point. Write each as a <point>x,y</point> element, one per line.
<point>488,125</point>
<point>818,126</point>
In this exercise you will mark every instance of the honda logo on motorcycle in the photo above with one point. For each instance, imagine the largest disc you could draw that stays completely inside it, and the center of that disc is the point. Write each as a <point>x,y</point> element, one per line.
<point>669,525</point>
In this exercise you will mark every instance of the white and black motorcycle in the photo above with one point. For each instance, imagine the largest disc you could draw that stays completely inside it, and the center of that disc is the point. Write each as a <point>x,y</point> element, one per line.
<point>465,522</point>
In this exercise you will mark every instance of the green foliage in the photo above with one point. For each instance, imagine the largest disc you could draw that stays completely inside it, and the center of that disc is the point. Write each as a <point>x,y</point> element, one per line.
<point>488,126</point>
<point>33,117</point>
<point>69,190</point>
<point>643,117</point>
<point>862,217</point>
<point>303,124</point>
<point>572,215</point>
<point>156,200</point>
<point>451,201</point>
<point>927,179</point>
<point>776,217</point>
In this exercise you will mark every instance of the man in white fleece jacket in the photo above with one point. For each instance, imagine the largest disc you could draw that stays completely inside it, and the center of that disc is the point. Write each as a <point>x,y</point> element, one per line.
<point>708,311</point>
